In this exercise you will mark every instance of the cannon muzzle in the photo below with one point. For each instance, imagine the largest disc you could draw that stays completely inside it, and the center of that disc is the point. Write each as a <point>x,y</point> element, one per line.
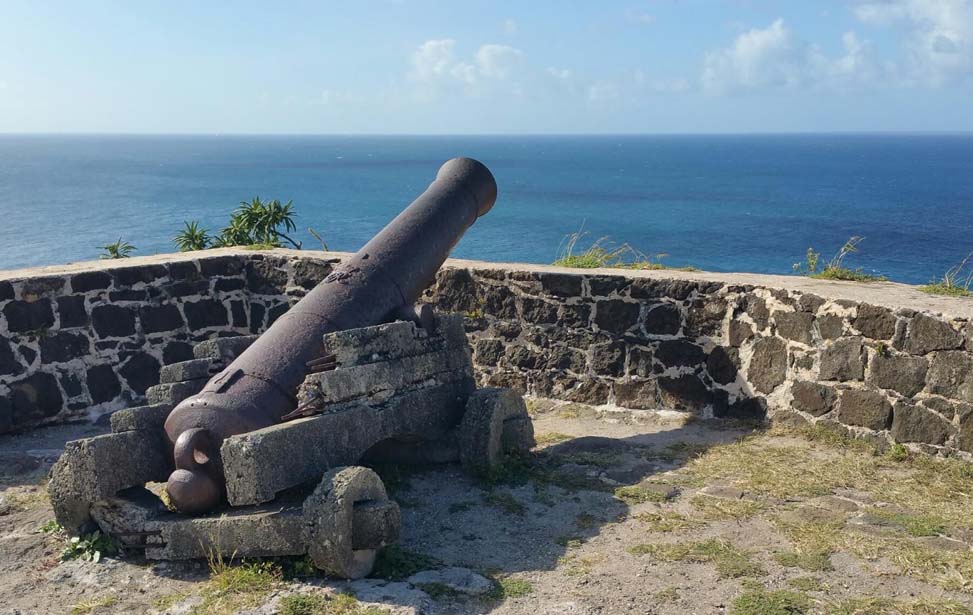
<point>380,283</point>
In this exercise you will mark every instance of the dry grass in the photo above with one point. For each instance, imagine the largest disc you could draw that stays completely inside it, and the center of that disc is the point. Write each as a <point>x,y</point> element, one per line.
<point>731,563</point>
<point>665,521</point>
<point>720,509</point>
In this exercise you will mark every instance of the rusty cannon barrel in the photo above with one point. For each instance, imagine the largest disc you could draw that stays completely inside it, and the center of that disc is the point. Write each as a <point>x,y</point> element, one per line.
<point>380,283</point>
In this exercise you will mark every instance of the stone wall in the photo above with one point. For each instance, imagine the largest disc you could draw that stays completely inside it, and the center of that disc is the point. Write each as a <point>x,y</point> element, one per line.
<point>879,360</point>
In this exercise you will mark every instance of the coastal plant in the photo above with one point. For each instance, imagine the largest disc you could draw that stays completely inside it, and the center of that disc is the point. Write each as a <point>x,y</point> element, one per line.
<point>118,249</point>
<point>90,547</point>
<point>192,238</point>
<point>955,282</point>
<point>835,269</point>
<point>602,253</point>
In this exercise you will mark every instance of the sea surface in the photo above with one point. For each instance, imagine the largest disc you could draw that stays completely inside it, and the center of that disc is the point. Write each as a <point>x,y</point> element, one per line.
<point>720,203</point>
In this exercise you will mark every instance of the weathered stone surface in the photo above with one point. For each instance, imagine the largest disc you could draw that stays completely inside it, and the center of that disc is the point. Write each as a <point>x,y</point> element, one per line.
<point>663,319</point>
<point>223,349</point>
<point>174,392</point>
<point>150,418</point>
<point>875,322</point>
<point>265,278</point>
<point>679,353</point>
<point>205,313</point>
<point>23,316</point>
<point>174,352</point>
<point>488,351</point>
<point>951,375</point>
<point>9,365</point>
<point>749,409</point>
<point>494,422</point>
<point>140,372</point>
<point>538,311</point>
<point>946,407</point>
<point>616,316</point>
<point>704,318</point>
<point>6,291</point>
<point>901,373</point>
<point>130,276</point>
<point>722,365</point>
<point>768,365</point>
<point>865,409</point>
<point>926,334</point>
<point>810,303</point>
<point>102,384</point>
<point>71,312</point>
<point>194,369</point>
<point>462,580</point>
<point>965,437</point>
<point>113,321</point>
<point>94,469</point>
<point>811,397</point>
<point>157,318</point>
<point>221,266</point>
<point>912,423</point>
<point>561,284</point>
<point>830,326</point>
<point>843,360</point>
<point>62,346</point>
<point>796,326</point>
<point>35,397</point>
<point>738,333</point>
<point>686,392</point>
<point>608,359</point>
<point>605,285</point>
<point>756,308</point>
<point>637,394</point>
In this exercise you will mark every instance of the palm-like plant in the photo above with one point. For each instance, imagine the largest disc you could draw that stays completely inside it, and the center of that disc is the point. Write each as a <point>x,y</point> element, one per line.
<point>119,249</point>
<point>192,238</point>
<point>259,222</point>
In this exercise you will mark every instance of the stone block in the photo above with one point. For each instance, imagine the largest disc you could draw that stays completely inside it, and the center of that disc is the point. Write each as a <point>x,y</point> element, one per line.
<point>679,353</point>
<point>951,375</point>
<point>35,397</point>
<point>6,415</point>
<point>843,360</point>
<point>704,318</point>
<point>23,316</point>
<point>71,311</point>
<point>877,323</point>
<point>912,423</point>
<point>270,460</point>
<point>561,284</point>
<point>6,291</point>
<point>221,266</point>
<point>608,359</point>
<point>393,341</point>
<point>926,334</point>
<point>113,321</point>
<point>965,438</point>
<point>738,333</point>
<point>130,276</point>
<point>768,365</point>
<point>814,398</point>
<point>264,278</point>
<point>174,392</point>
<point>205,313</point>
<point>747,409</point>
<point>95,469</point>
<point>686,392</point>
<point>561,357</point>
<point>223,349</point>
<point>662,319</point>
<point>140,371</point>
<point>102,383</point>
<point>946,407</point>
<point>865,409</point>
<point>9,364</point>
<point>494,421</point>
<point>63,346</point>
<point>756,308</point>
<point>616,316</point>
<point>636,393</point>
<point>488,351</point>
<point>90,280</point>
<point>902,373</point>
<point>194,369</point>
<point>159,318</point>
<point>150,418</point>
<point>722,364</point>
<point>796,326</point>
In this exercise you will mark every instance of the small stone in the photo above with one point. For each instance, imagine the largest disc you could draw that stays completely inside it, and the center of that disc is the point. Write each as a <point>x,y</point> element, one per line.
<point>62,346</point>
<point>901,373</point>
<point>865,409</point>
<point>831,326</point>
<point>738,333</point>
<point>768,365</point>
<point>608,359</point>
<point>462,580</point>
<point>912,423</point>
<point>113,321</point>
<point>616,316</point>
<point>91,280</point>
<point>721,364</point>
<point>843,360</point>
<point>158,318</point>
<point>71,311</point>
<point>664,319</point>
<point>686,392</point>
<point>796,326</point>
<point>756,308</point>
<point>875,322</point>
<point>951,375</point>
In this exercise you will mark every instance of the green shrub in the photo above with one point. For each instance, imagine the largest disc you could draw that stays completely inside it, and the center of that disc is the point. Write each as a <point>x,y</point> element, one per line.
<point>955,282</point>
<point>119,249</point>
<point>835,268</point>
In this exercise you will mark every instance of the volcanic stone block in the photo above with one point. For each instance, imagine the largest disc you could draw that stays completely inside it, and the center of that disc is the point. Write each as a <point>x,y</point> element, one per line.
<point>605,285</point>
<point>756,308</point>
<point>62,346</point>
<point>608,359</point>
<point>664,319</point>
<point>173,392</point>
<point>679,353</point>
<point>176,351</point>
<point>113,321</point>
<point>843,360</point>
<point>638,394</point>
<point>811,397</point>
<point>223,349</point>
<point>91,280</point>
<point>158,318</point>
<point>193,369</point>
<point>951,375</point>
<point>722,364</point>
<point>704,318</point>
<point>266,461</point>
<point>488,351</point>
<point>6,415</point>
<point>130,276</point>
<point>865,409</point>
<point>796,326</point>
<point>9,365</point>
<point>738,333</point>
<point>141,417</point>
<point>561,284</point>
<point>912,423</point>
<point>927,334</point>
<point>6,291</point>
<point>140,372</point>
<point>34,397</point>
<point>94,469</point>
<point>875,322</point>
<point>103,384</point>
<point>183,270</point>
<point>768,365</point>
<point>205,313</point>
<point>561,357</point>
<point>71,311</point>
<point>616,316</point>
<point>264,278</point>
<point>221,266</point>
<point>831,326</point>
<point>23,316</point>
<point>686,392</point>
<point>901,373</point>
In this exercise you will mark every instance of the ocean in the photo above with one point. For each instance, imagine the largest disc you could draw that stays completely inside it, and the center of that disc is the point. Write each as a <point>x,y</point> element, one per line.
<point>719,203</point>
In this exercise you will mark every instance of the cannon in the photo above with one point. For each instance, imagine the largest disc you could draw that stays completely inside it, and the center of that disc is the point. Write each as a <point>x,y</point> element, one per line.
<point>381,282</point>
<point>258,439</point>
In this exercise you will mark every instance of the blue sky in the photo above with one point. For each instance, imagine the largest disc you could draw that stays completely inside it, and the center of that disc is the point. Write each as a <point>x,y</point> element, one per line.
<point>535,66</point>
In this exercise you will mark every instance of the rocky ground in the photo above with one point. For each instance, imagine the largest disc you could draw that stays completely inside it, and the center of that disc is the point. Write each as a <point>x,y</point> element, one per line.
<point>613,513</point>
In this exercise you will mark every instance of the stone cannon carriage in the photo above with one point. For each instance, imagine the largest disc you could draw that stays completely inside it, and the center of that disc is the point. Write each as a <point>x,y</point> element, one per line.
<point>257,439</point>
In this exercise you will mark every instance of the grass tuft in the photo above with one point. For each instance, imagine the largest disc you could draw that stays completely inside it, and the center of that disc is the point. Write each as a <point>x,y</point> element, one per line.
<point>955,282</point>
<point>812,562</point>
<point>835,269</point>
<point>602,253</point>
<point>731,563</point>
<point>761,601</point>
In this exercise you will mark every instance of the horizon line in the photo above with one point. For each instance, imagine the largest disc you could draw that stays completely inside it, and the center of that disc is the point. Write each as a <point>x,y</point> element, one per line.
<point>968,132</point>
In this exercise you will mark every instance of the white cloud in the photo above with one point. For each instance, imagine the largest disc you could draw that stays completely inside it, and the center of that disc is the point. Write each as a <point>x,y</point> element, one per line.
<point>774,57</point>
<point>435,67</point>
<point>432,59</point>
<point>497,61</point>
<point>940,35</point>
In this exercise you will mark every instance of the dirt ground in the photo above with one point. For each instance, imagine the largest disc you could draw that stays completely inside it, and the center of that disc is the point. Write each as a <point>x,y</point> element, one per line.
<point>613,513</point>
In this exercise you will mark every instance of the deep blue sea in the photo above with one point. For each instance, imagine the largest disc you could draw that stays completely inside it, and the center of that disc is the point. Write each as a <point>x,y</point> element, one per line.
<point>720,203</point>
